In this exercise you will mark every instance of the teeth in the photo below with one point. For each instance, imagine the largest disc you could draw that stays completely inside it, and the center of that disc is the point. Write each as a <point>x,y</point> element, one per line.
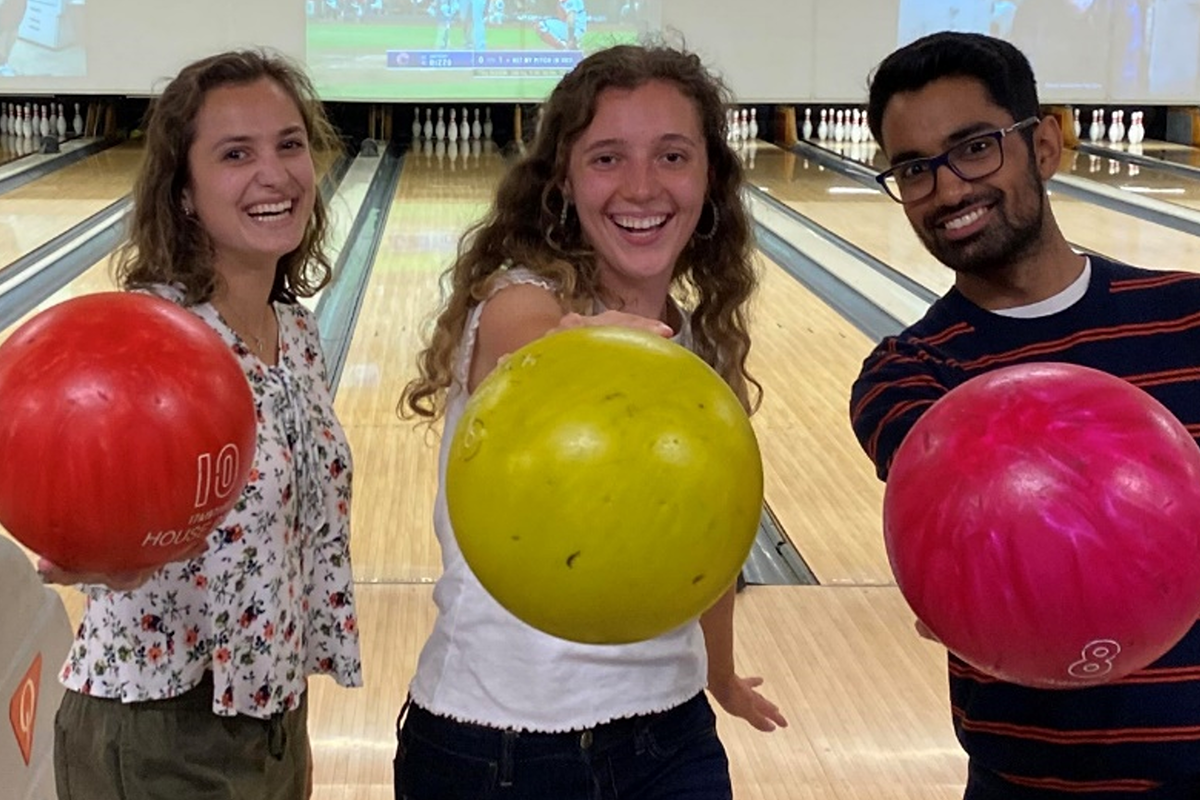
<point>964,220</point>
<point>271,208</point>
<point>640,223</point>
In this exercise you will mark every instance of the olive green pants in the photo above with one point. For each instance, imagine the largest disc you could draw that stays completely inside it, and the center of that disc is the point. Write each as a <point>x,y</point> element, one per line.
<point>177,749</point>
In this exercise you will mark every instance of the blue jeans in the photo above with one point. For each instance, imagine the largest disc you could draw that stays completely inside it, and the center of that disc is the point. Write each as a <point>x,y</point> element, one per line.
<point>673,754</point>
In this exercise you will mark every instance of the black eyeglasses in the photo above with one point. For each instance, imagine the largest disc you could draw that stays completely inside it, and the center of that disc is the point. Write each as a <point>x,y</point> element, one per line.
<point>975,158</point>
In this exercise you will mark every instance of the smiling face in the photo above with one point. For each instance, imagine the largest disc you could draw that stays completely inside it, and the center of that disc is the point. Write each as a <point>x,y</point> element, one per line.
<point>981,226</point>
<point>638,177</point>
<point>252,181</point>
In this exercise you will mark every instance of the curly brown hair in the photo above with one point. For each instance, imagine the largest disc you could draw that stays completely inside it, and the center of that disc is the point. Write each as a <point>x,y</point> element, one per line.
<point>715,276</point>
<point>165,245</point>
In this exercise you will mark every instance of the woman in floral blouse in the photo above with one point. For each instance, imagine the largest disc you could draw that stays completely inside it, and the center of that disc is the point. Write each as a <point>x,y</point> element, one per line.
<point>189,682</point>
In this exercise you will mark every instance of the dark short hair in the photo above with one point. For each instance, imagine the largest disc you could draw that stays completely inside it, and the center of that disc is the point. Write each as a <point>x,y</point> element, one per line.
<point>1001,68</point>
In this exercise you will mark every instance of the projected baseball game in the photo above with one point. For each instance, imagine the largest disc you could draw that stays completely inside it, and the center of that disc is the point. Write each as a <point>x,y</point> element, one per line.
<point>504,50</point>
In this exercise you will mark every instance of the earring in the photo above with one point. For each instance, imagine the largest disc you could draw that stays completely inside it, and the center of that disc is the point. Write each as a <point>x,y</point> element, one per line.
<point>552,229</point>
<point>716,221</point>
<point>188,209</point>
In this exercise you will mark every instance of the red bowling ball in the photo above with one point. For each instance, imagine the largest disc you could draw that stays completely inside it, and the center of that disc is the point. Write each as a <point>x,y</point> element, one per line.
<point>1043,521</point>
<point>127,432</point>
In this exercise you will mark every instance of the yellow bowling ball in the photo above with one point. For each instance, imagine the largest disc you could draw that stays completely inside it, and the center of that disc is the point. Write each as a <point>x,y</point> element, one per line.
<point>604,485</point>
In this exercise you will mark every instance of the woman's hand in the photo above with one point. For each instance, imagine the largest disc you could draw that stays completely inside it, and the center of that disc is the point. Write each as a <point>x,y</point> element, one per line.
<point>618,319</point>
<point>116,581</point>
<point>740,697</point>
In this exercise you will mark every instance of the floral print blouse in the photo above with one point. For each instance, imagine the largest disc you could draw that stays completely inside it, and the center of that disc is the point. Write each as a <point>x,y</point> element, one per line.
<point>271,600</point>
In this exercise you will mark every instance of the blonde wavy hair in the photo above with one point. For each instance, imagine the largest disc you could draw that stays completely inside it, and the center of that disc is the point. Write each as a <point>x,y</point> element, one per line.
<point>714,276</point>
<point>165,245</point>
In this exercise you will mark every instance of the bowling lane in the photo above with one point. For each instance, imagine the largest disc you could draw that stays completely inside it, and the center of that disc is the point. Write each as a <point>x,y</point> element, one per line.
<point>1133,178</point>
<point>1183,154</point>
<point>35,213</point>
<point>878,225</point>
<point>85,199</point>
<point>395,460</point>
<point>819,484</point>
<point>862,215</point>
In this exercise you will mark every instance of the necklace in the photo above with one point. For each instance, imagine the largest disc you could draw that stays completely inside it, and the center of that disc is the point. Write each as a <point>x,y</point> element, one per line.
<point>243,330</point>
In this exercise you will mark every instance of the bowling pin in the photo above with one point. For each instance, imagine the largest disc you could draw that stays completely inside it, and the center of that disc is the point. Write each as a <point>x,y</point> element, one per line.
<point>1137,130</point>
<point>1096,130</point>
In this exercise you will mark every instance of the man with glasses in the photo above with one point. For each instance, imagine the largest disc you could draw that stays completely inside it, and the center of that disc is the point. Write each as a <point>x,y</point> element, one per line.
<point>957,116</point>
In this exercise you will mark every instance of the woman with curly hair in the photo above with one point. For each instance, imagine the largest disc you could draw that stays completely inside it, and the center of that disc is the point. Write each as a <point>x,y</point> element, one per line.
<point>625,211</point>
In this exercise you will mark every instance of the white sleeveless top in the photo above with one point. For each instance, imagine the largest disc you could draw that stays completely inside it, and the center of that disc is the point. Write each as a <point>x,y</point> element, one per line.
<point>483,665</point>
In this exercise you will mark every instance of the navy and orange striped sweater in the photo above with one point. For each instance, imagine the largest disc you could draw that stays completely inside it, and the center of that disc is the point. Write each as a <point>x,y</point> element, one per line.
<point>1136,738</point>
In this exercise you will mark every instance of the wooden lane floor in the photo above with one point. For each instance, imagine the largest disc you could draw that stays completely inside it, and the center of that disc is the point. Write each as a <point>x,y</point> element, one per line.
<point>395,460</point>
<point>1173,152</point>
<point>96,188</point>
<point>1135,179</point>
<point>878,225</point>
<point>35,213</point>
<point>819,483</point>
<point>860,214</point>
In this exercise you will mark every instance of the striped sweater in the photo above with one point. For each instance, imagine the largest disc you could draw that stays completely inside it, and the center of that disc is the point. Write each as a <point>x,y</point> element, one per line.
<point>1138,737</point>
